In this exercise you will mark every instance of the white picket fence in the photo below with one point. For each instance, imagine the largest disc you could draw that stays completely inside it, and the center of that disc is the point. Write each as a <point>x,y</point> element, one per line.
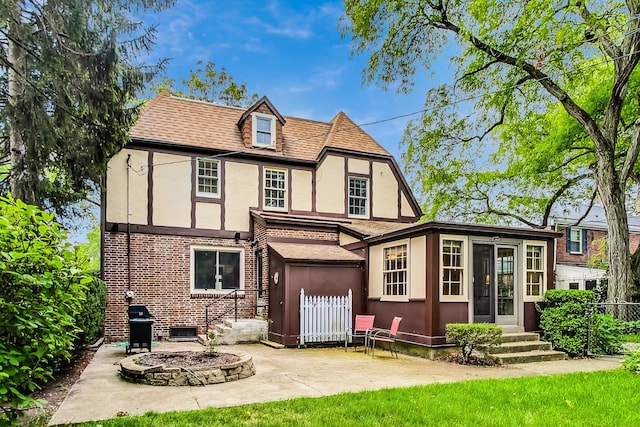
<point>325,318</point>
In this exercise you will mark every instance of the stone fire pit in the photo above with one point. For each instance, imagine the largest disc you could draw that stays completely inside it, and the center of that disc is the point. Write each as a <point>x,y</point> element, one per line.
<point>186,368</point>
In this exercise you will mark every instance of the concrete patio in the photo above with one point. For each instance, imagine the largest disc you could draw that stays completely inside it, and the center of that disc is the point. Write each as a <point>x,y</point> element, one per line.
<point>281,374</point>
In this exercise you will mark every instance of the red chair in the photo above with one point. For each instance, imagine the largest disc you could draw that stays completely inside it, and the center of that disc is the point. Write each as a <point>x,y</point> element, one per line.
<point>363,325</point>
<point>386,335</point>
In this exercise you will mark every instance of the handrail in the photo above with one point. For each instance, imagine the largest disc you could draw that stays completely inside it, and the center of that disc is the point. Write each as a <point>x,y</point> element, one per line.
<point>233,292</point>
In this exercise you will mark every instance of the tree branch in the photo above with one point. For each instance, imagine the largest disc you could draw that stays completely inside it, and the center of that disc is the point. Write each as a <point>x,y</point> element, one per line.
<point>603,145</point>
<point>584,215</point>
<point>558,193</point>
<point>608,45</point>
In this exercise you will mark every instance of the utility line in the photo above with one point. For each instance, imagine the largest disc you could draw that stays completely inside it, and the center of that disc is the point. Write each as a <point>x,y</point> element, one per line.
<point>401,116</point>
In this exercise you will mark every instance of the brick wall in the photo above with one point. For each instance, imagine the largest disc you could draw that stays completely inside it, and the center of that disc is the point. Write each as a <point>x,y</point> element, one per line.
<point>160,279</point>
<point>564,257</point>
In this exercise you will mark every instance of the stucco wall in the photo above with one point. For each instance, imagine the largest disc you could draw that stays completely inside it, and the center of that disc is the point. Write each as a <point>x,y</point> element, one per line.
<point>385,191</point>
<point>358,166</point>
<point>208,215</point>
<point>301,190</point>
<point>329,184</point>
<point>117,193</point>
<point>405,207</point>
<point>171,190</point>
<point>241,193</point>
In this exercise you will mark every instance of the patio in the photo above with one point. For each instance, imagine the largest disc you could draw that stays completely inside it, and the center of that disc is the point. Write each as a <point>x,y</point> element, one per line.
<point>280,374</point>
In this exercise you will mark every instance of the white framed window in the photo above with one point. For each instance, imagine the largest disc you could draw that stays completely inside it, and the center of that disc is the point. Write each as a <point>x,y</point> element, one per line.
<point>453,268</point>
<point>358,197</point>
<point>534,270</point>
<point>275,189</point>
<point>207,177</point>
<point>395,272</point>
<point>216,269</point>
<point>263,130</point>
<point>576,240</point>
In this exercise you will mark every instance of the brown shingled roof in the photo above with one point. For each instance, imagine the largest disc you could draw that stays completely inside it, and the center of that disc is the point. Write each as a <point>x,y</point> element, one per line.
<point>306,252</point>
<point>188,122</point>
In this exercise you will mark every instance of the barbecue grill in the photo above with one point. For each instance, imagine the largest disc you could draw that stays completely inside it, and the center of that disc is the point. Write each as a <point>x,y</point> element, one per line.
<point>140,328</point>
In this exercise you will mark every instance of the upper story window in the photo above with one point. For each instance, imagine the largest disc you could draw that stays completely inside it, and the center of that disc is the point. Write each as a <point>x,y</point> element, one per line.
<point>275,189</point>
<point>395,271</point>
<point>576,240</point>
<point>207,177</point>
<point>358,197</point>
<point>264,130</point>
<point>453,266</point>
<point>534,270</point>
<point>216,269</point>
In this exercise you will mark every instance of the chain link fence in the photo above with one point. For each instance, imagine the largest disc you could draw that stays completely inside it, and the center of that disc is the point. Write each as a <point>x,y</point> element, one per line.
<point>613,328</point>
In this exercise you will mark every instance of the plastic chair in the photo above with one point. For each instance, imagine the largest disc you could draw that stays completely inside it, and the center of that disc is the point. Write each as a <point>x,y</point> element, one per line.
<point>363,325</point>
<point>386,335</point>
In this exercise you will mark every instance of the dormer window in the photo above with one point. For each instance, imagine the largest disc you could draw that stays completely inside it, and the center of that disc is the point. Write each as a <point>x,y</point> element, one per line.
<point>264,130</point>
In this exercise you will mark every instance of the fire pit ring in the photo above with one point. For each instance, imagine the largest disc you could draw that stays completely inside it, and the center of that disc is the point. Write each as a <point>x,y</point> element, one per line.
<point>167,375</point>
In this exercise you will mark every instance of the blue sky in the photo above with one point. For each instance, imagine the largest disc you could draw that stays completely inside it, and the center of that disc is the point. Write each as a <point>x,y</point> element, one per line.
<point>290,51</point>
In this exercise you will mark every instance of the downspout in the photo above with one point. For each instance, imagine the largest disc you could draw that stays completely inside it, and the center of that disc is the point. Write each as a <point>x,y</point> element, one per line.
<point>128,226</point>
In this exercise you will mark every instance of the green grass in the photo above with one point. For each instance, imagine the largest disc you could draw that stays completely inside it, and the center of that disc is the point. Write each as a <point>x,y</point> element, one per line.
<point>607,398</point>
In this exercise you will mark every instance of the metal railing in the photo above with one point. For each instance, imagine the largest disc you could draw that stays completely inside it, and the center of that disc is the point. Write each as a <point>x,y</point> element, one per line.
<point>236,306</point>
<point>612,328</point>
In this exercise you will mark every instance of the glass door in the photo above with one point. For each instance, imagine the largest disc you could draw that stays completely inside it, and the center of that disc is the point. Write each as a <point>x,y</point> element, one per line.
<point>483,284</point>
<point>506,289</point>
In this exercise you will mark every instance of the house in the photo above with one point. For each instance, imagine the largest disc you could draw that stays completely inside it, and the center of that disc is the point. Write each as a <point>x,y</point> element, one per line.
<point>584,231</point>
<point>210,207</point>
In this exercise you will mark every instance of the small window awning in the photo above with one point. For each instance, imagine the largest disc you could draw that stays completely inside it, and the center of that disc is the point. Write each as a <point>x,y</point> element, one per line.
<point>314,253</point>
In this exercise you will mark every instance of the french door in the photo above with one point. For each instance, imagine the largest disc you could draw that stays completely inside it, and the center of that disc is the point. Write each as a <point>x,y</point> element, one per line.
<point>494,284</point>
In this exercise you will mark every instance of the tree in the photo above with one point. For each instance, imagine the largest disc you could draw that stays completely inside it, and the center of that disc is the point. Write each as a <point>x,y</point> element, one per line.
<point>551,82</point>
<point>208,84</point>
<point>68,78</point>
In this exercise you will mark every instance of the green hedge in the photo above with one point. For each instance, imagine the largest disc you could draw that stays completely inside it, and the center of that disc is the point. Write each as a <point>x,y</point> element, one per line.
<point>91,317</point>
<point>563,319</point>
<point>41,293</point>
<point>471,336</point>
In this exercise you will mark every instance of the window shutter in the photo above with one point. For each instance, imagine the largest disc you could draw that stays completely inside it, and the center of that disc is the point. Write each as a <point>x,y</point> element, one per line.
<point>584,241</point>
<point>568,239</point>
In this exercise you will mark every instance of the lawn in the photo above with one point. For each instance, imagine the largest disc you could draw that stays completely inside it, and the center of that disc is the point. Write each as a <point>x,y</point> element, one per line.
<point>607,398</point>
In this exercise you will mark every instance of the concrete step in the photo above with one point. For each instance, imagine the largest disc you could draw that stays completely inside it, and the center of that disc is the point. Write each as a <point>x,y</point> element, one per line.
<point>520,336</point>
<point>521,346</point>
<point>508,329</point>
<point>242,331</point>
<point>530,356</point>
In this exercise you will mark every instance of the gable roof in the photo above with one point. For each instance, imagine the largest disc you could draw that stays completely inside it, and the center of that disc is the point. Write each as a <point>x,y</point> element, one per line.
<point>595,218</point>
<point>185,122</point>
<point>263,100</point>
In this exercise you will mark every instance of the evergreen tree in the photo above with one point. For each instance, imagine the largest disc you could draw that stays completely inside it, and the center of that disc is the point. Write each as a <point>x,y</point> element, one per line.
<point>68,81</point>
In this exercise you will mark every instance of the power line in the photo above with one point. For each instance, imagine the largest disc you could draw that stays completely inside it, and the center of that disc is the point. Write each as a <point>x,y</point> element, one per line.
<point>421,111</point>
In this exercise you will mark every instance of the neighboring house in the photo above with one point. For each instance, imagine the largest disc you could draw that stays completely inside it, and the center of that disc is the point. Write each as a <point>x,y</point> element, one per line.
<point>207,201</point>
<point>580,242</point>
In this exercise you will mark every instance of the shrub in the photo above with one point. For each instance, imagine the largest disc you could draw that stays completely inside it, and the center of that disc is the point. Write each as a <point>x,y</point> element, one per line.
<point>632,327</point>
<point>471,336</point>
<point>631,362</point>
<point>40,296</point>
<point>563,319</point>
<point>606,334</point>
<point>91,317</point>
